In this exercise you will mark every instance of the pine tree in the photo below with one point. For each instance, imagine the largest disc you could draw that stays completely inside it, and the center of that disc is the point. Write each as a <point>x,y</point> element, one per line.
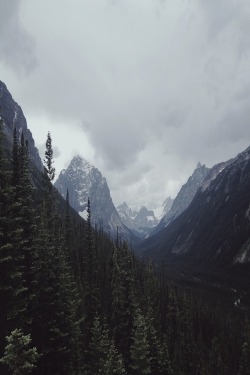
<point>140,353</point>
<point>98,348</point>
<point>165,363</point>
<point>18,218</point>
<point>158,351</point>
<point>91,290</point>
<point>48,161</point>
<point>20,359</point>
<point>28,228</point>
<point>12,287</point>
<point>123,299</point>
<point>114,364</point>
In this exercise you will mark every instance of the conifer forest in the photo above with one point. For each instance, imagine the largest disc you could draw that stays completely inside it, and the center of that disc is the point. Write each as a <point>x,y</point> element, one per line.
<point>73,301</point>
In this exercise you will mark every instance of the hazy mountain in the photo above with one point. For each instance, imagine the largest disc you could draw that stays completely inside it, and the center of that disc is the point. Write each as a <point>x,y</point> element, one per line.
<point>164,209</point>
<point>84,181</point>
<point>127,215</point>
<point>141,222</point>
<point>215,228</point>
<point>13,116</point>
<point>184,197</point>
<point>145,218</point>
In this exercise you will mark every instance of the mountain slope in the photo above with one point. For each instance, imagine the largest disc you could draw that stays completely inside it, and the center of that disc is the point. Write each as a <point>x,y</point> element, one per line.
<point>162,211</point>
<point>127,215</point>
<point>84,181</point>
<point>13,116</point>
<point>215,228</point>
<point>184,197</point>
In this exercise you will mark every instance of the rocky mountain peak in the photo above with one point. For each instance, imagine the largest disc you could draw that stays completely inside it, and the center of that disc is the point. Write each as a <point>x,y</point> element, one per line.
<point>124,206</point>
<point>146,218</point>
<point>140,222</point>
<point>84,181</point>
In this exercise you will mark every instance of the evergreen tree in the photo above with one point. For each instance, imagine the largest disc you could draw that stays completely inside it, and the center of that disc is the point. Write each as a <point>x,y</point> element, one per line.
<point>28,227</point>
<point>18,218</point>
<point>20,359</point>
<point>114,364</point>
<point>123,299</point>
<point>165,363</point>
<point>140,353</point>
<point>48,161</point>
<point>98,348</point>
<point>91,290</point>
<point>158,350</point>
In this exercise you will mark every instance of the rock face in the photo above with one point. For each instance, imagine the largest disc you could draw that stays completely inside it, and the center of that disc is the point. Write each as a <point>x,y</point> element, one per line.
<point>127,215</point>
<point>184,197</point>
<point>84,181</point>
<point>12,115</point>
<point>140,222</point>
<point>165,208</point>
<point>215,228</point>
<point>146,218</point>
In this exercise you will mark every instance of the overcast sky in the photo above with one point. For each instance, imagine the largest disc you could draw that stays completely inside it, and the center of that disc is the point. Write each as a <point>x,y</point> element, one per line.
<point>143,89</point>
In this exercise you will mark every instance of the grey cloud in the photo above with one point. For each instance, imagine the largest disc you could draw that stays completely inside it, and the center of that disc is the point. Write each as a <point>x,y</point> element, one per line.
<point>118,142</point>
<point>56,152</point>
<point>159,84</point>
<point>16,45</point>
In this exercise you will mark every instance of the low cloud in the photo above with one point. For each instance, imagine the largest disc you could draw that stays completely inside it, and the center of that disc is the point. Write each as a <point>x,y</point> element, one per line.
<point>143,90</point>
<point>17,47</point>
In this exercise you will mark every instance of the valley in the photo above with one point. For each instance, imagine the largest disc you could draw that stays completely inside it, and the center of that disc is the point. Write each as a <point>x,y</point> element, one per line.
<point>89,281</point>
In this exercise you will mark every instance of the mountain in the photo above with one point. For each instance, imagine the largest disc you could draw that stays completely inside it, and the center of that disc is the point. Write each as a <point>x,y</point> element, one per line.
<point>127,215</point>
<point>184,197</point>
<point>215,228</point>
<point>140,222</point>
<point>13,116</point>
<point>84,181</point>
<point>164,209</point>
<point>145,218</point>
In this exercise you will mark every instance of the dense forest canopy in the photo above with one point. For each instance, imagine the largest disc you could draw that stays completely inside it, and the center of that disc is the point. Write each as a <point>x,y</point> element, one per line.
<point>75,302</point>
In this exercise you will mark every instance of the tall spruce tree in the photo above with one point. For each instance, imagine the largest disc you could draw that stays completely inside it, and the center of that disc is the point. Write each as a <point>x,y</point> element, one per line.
<point>98,348</point>
<point>139,350</point>
<point>19,356</point>
<point>48,160</point>
<point>114,364</point>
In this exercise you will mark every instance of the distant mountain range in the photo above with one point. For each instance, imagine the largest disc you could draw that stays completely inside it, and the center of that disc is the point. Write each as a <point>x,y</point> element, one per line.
<point>141,222</point>
<point>208,223</point>
<point>215,227</point>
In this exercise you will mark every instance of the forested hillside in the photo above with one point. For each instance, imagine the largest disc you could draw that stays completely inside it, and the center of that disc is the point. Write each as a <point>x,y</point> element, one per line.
<point>73,302</point>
